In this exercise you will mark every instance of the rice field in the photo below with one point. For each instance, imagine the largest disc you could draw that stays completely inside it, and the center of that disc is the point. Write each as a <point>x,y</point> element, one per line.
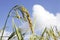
<point>48,34</point>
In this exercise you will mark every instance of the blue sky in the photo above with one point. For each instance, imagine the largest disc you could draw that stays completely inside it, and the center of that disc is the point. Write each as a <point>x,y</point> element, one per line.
<point>53,6</point>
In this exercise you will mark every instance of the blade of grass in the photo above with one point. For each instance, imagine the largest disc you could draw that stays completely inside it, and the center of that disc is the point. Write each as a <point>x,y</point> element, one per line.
<point>18,33</point>
<point>42,38</point>
<point>6,21</point>
<point>11,35</point>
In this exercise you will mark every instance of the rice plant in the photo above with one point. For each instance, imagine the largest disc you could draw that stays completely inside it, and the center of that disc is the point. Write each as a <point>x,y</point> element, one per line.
<point>46,35</point>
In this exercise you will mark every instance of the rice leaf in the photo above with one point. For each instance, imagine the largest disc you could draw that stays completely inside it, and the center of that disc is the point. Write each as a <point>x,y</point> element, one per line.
<point>18,33</point>
<point>11,36</point>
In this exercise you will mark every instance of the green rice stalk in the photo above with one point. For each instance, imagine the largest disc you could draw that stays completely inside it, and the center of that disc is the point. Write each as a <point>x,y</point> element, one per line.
<point>11,36</point>
<point>18,33</point>
<point>58,32</point>
<point>6,21</point>
<point>42,36</point>
<point>47,35</point>
<point>52,34</point>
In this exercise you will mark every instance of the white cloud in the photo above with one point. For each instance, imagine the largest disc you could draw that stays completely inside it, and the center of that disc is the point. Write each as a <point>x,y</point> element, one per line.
<point>44,18</point>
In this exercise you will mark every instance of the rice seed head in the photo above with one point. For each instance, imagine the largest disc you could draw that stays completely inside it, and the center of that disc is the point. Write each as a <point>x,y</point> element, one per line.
<point>24,10</point>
